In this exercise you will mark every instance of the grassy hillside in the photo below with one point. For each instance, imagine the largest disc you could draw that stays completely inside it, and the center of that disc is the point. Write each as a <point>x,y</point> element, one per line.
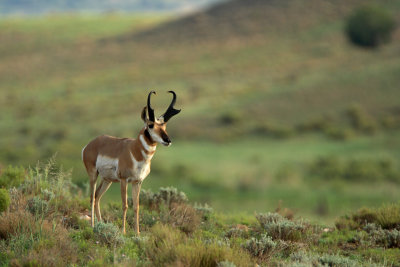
<point>43,223</point>
<point>262,101</point>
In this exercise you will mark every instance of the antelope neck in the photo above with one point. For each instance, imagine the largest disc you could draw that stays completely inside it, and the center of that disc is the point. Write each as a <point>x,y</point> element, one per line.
<point>144,147</point>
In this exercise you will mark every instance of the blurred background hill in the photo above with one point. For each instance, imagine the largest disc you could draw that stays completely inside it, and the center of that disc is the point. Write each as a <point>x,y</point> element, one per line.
<point>278,107</point>
<point>61,6</point>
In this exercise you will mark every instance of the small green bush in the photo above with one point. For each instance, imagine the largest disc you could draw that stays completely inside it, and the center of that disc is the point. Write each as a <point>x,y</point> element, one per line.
<point>146,198</point>
<point>262,248</point>
<point>170,195</point>
<point>21,243</point>
<point>184,217</point>
<point>236,232</point>
<point>205,210</point>
<point>226,264</point>
<point>269,217</point>
<point>48,177</point>
<point>4,200</point>
<point>37,206</point>
<point>281,228</point>
<point>336,260</point>
<point>386,238</point>
<point>370,26</point>
<point>386,217</point>
<point>12,177</point>
<point>108,234</point>
<point>165,196</point>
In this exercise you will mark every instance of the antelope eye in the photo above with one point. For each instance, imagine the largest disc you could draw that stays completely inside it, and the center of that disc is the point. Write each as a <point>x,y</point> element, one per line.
<point>151,126</point>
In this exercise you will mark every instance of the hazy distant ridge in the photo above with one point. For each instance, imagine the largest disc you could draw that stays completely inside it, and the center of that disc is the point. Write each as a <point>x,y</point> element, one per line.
<point>47,6</point>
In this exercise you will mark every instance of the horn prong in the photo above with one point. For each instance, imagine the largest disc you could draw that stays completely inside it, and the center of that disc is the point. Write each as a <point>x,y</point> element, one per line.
<point>171,111</point>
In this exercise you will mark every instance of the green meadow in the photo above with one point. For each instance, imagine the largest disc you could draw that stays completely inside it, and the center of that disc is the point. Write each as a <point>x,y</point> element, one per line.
<point>257,111</point>
<point>286,152</point>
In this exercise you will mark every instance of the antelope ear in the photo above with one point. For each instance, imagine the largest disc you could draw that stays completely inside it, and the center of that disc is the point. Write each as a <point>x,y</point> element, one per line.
<point>144,114</point>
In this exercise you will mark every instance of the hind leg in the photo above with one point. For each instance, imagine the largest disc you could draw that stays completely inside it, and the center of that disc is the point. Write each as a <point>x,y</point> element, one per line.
<point>103,187</point>
<point>93,181</point>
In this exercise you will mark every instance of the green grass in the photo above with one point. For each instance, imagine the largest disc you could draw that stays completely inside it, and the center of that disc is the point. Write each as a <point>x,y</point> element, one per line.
<point>211,172</point>
<point>66,79</point>
<point>174,231</point>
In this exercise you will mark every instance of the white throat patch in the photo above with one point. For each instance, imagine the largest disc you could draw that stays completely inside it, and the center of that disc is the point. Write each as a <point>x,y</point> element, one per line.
<point>145,145</point>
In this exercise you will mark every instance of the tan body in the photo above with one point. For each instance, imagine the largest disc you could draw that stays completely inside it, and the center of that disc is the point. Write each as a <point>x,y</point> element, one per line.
<point>125,160</point>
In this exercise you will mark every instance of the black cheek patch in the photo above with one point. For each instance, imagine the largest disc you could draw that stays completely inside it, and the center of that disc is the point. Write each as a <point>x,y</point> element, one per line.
<point>147,134</point>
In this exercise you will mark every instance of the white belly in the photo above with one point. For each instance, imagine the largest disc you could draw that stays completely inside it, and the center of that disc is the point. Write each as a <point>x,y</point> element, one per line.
<point>107,167</point>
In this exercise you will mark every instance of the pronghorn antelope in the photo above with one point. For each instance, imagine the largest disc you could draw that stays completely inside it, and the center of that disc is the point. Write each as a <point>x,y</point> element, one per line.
<point>126,160</point>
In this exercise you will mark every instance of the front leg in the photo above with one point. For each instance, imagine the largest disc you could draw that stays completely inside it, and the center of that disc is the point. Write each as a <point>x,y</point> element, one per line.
<point>124,196</point>
<point>135,198</point>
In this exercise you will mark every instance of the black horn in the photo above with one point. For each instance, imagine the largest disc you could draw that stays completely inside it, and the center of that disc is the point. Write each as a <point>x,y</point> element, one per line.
<point>149,108</point>
<point>171,111</point>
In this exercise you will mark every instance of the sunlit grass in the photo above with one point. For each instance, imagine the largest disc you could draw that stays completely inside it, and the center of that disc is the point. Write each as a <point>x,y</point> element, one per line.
<point>65,79</point>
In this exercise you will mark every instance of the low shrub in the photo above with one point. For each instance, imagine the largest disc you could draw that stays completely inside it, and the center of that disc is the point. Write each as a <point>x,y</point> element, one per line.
<point>204,210</point>
<point>18,222</point>
<point>4,200</point>
<point>262,247</point>
<point>37,206</point>
<point>148,218</point>
<point>165,196</point>
<point>12,177</point>
<point>336,260</point>
<point>226,264</point>
<point>184,217</point>
<point>17,200</point>
<point>21,243</point>
<point>269,217</point>
<point>170,196</point>
<point>108,234</point>
<point>47,194</point>
<point>198,254</point>
<point>48,177</point>
<point>370,26</point>
<point>281,228</point>
<point>238,231</point>
<point>161,248</point>
<point>386,217</point>
<point>170,247</point>
<point>286,230</point>
<point>385,238</point>
<point>306,259</point>
<point>146,198</point>
<point>74,221</point>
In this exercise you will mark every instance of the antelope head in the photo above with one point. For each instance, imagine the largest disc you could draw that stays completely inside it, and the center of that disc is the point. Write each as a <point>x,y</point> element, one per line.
<point>156,128</point>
